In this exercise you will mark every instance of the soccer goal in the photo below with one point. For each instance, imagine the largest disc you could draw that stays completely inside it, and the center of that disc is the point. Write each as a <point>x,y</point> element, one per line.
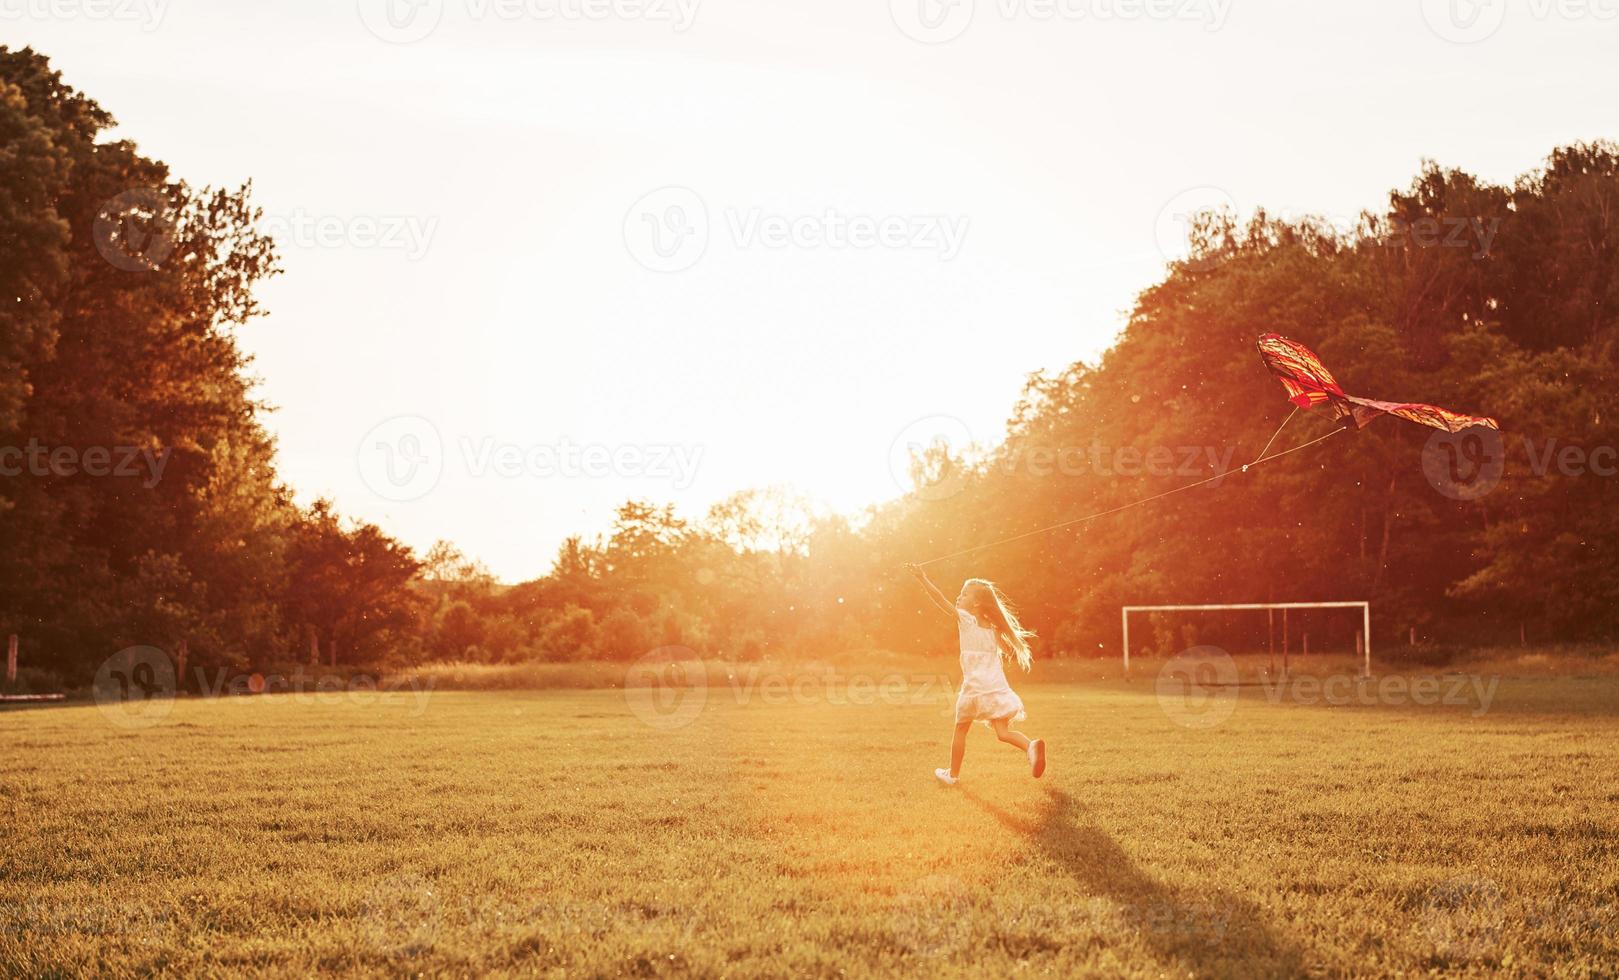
<point>1364,641</point>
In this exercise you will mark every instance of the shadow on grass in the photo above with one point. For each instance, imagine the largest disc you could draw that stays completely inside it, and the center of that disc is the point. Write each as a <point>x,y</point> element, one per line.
<point>1206,932</point>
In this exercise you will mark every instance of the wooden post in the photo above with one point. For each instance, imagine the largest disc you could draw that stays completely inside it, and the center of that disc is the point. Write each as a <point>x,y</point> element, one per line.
<point>11,659</point>
<point>1413,636</point>
<point>333,645</point>
<point>1523,635</point>
<point>180,652</point>
<point>1306,651</point>
<point>314,648</point>
<point>1358,639</point>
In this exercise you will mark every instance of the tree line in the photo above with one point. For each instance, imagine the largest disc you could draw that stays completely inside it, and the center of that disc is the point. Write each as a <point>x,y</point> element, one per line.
<point>139,502</point>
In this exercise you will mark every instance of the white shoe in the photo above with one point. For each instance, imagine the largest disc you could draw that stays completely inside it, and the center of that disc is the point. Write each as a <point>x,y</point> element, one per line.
<point>1037,757</point>
<point>943,776</point>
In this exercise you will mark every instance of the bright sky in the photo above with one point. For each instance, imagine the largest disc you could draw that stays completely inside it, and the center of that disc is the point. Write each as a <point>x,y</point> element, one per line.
<point>546,255</point>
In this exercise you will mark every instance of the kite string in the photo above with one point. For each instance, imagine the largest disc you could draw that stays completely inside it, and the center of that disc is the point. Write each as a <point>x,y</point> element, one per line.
<point>1273,435</point>
<point>1134,503</point>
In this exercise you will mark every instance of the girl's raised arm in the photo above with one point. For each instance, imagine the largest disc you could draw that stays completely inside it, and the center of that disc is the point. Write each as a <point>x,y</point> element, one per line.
<point>938,597</point>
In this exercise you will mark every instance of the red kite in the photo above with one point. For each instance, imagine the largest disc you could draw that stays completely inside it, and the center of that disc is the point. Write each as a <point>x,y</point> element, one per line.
<point>1309,383</point>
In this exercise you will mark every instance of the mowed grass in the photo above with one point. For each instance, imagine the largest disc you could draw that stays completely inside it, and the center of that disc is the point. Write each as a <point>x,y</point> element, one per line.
<point>558,832</point>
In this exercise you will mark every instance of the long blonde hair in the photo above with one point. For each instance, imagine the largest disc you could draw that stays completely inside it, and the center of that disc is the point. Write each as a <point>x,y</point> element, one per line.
<point>1010,635</point>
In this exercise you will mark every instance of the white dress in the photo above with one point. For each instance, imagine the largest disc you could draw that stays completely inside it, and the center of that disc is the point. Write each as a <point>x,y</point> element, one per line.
<point>984,693</point>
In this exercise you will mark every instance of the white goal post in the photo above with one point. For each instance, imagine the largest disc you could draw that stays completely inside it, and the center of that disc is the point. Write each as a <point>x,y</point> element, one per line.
<point>1364,607</point>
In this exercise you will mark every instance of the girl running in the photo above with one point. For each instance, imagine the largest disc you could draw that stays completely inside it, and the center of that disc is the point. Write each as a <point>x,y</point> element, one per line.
<point>989,630</point>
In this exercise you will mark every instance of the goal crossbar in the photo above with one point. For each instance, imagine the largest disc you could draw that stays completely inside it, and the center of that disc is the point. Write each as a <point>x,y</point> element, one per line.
<point>1364,607</point>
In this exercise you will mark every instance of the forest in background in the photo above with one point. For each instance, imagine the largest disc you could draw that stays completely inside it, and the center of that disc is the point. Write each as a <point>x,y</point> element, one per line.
<point>1496,300</point>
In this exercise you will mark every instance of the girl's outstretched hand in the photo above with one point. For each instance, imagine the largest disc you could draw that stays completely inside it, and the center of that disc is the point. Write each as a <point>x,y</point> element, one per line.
<point>916,570</point>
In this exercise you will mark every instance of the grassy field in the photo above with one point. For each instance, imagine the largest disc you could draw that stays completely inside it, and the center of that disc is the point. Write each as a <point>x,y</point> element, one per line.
<point>766,833</point>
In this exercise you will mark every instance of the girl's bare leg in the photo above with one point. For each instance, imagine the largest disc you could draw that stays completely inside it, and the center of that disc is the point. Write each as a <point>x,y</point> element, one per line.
<point>958,747</point>
<point>1004,732</point>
